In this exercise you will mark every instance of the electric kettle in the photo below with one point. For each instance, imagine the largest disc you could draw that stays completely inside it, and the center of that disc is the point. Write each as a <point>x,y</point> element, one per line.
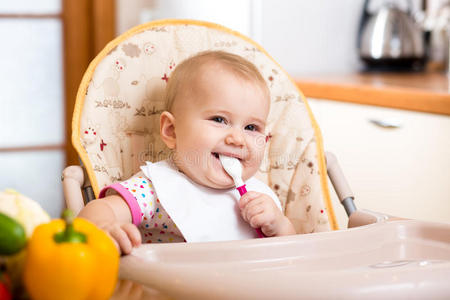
<point>390,39</point>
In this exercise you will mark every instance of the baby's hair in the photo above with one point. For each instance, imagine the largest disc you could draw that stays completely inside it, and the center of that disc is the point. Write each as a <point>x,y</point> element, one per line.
<point>188,68</point>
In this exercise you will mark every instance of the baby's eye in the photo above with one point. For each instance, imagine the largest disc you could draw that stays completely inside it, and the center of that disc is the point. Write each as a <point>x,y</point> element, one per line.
<point>251,127</point>
<point>218,119</point>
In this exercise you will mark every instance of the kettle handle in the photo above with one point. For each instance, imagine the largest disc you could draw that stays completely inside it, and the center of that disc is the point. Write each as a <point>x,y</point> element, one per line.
<point>362,22</point>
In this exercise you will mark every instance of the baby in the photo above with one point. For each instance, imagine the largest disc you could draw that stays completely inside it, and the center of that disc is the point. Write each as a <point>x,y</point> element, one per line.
<point>217,103</point>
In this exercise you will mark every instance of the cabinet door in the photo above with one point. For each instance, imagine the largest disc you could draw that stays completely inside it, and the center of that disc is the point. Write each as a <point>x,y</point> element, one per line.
<point>402,169</point>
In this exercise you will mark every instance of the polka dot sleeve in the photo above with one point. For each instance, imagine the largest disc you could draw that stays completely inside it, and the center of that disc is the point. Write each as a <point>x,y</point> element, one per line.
<point>139,194</point>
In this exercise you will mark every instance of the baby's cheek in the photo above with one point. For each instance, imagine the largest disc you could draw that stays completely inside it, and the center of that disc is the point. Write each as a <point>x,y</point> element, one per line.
<point>259,140</point>
<point>251,168</point>
<point>258,156</point>
<point>257,143</point>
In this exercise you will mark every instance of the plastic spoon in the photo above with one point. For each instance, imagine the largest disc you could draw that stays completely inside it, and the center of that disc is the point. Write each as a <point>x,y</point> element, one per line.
<point>234,168</point>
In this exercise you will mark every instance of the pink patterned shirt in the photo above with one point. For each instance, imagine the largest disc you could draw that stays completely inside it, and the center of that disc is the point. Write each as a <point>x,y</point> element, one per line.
<point>147,213</point>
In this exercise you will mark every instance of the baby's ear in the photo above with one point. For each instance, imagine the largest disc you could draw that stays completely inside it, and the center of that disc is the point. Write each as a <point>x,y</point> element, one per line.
<point>167,129</point>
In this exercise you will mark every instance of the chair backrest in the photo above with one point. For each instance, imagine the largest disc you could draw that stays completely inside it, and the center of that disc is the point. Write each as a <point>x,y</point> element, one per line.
<point>115,125</point>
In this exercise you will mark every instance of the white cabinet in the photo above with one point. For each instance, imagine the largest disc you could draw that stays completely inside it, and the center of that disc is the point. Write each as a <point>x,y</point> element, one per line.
<point>402,171</point>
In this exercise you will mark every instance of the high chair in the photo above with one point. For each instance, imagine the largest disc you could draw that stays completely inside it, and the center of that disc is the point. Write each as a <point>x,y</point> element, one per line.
<point>115,130</point>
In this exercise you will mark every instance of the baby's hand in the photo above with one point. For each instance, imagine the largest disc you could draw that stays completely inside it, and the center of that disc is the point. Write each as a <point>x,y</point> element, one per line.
<point>260,211</point>
<point>125,235</point>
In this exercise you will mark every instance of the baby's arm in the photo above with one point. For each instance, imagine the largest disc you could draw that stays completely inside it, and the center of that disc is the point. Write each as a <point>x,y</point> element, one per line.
<point>260,211</point>
<point>113,215</point>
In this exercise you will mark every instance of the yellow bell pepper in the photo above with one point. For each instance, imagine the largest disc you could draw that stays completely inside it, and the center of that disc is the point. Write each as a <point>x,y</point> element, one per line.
<point>71,261</point>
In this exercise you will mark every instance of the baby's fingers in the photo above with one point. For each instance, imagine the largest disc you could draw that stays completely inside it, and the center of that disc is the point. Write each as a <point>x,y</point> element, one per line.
<point>251,210</point>
<point>122,239</point>
<point>265,222</point>
<point>246,198</point>
<point>133,233</point>
<point>114,241</point>
<point>258,221</point>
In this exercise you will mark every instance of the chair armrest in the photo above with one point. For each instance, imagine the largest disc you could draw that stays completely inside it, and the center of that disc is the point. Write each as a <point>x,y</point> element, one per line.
<point>363,217</point>
<point>72,181</point>
<point>339,183</point>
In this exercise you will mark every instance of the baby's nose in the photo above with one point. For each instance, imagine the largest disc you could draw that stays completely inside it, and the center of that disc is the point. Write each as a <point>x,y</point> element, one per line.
<point>235,137</point>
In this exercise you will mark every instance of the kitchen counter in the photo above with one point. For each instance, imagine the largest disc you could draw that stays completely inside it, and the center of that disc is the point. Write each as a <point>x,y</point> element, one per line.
<point>425,92</point>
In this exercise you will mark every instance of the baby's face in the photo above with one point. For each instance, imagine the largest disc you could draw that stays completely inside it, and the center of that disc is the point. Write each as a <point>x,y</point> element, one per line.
<point>219,113</point>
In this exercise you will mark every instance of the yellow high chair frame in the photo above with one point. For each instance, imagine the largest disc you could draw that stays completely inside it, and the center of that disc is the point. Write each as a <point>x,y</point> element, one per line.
<point>115,129</point>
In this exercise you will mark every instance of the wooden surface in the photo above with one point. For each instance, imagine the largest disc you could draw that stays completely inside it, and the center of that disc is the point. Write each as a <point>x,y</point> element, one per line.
<point>88,26</point>
<point>77,54</point>
<point>104,23</point>
<point>411,91</point>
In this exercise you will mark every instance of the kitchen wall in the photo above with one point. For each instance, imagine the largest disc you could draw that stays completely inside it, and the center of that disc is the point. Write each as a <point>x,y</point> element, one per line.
<point>312,36</point>
<point>303,36</point>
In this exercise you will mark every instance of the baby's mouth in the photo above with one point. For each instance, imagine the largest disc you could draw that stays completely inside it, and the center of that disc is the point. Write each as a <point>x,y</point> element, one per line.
<point>216,155</point>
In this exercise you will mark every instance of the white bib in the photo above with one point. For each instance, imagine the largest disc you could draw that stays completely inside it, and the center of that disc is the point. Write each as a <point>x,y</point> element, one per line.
<point>201,213</point>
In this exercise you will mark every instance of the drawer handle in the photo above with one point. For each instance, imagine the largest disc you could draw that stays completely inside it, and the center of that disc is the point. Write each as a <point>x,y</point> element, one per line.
<point>386,123</point>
